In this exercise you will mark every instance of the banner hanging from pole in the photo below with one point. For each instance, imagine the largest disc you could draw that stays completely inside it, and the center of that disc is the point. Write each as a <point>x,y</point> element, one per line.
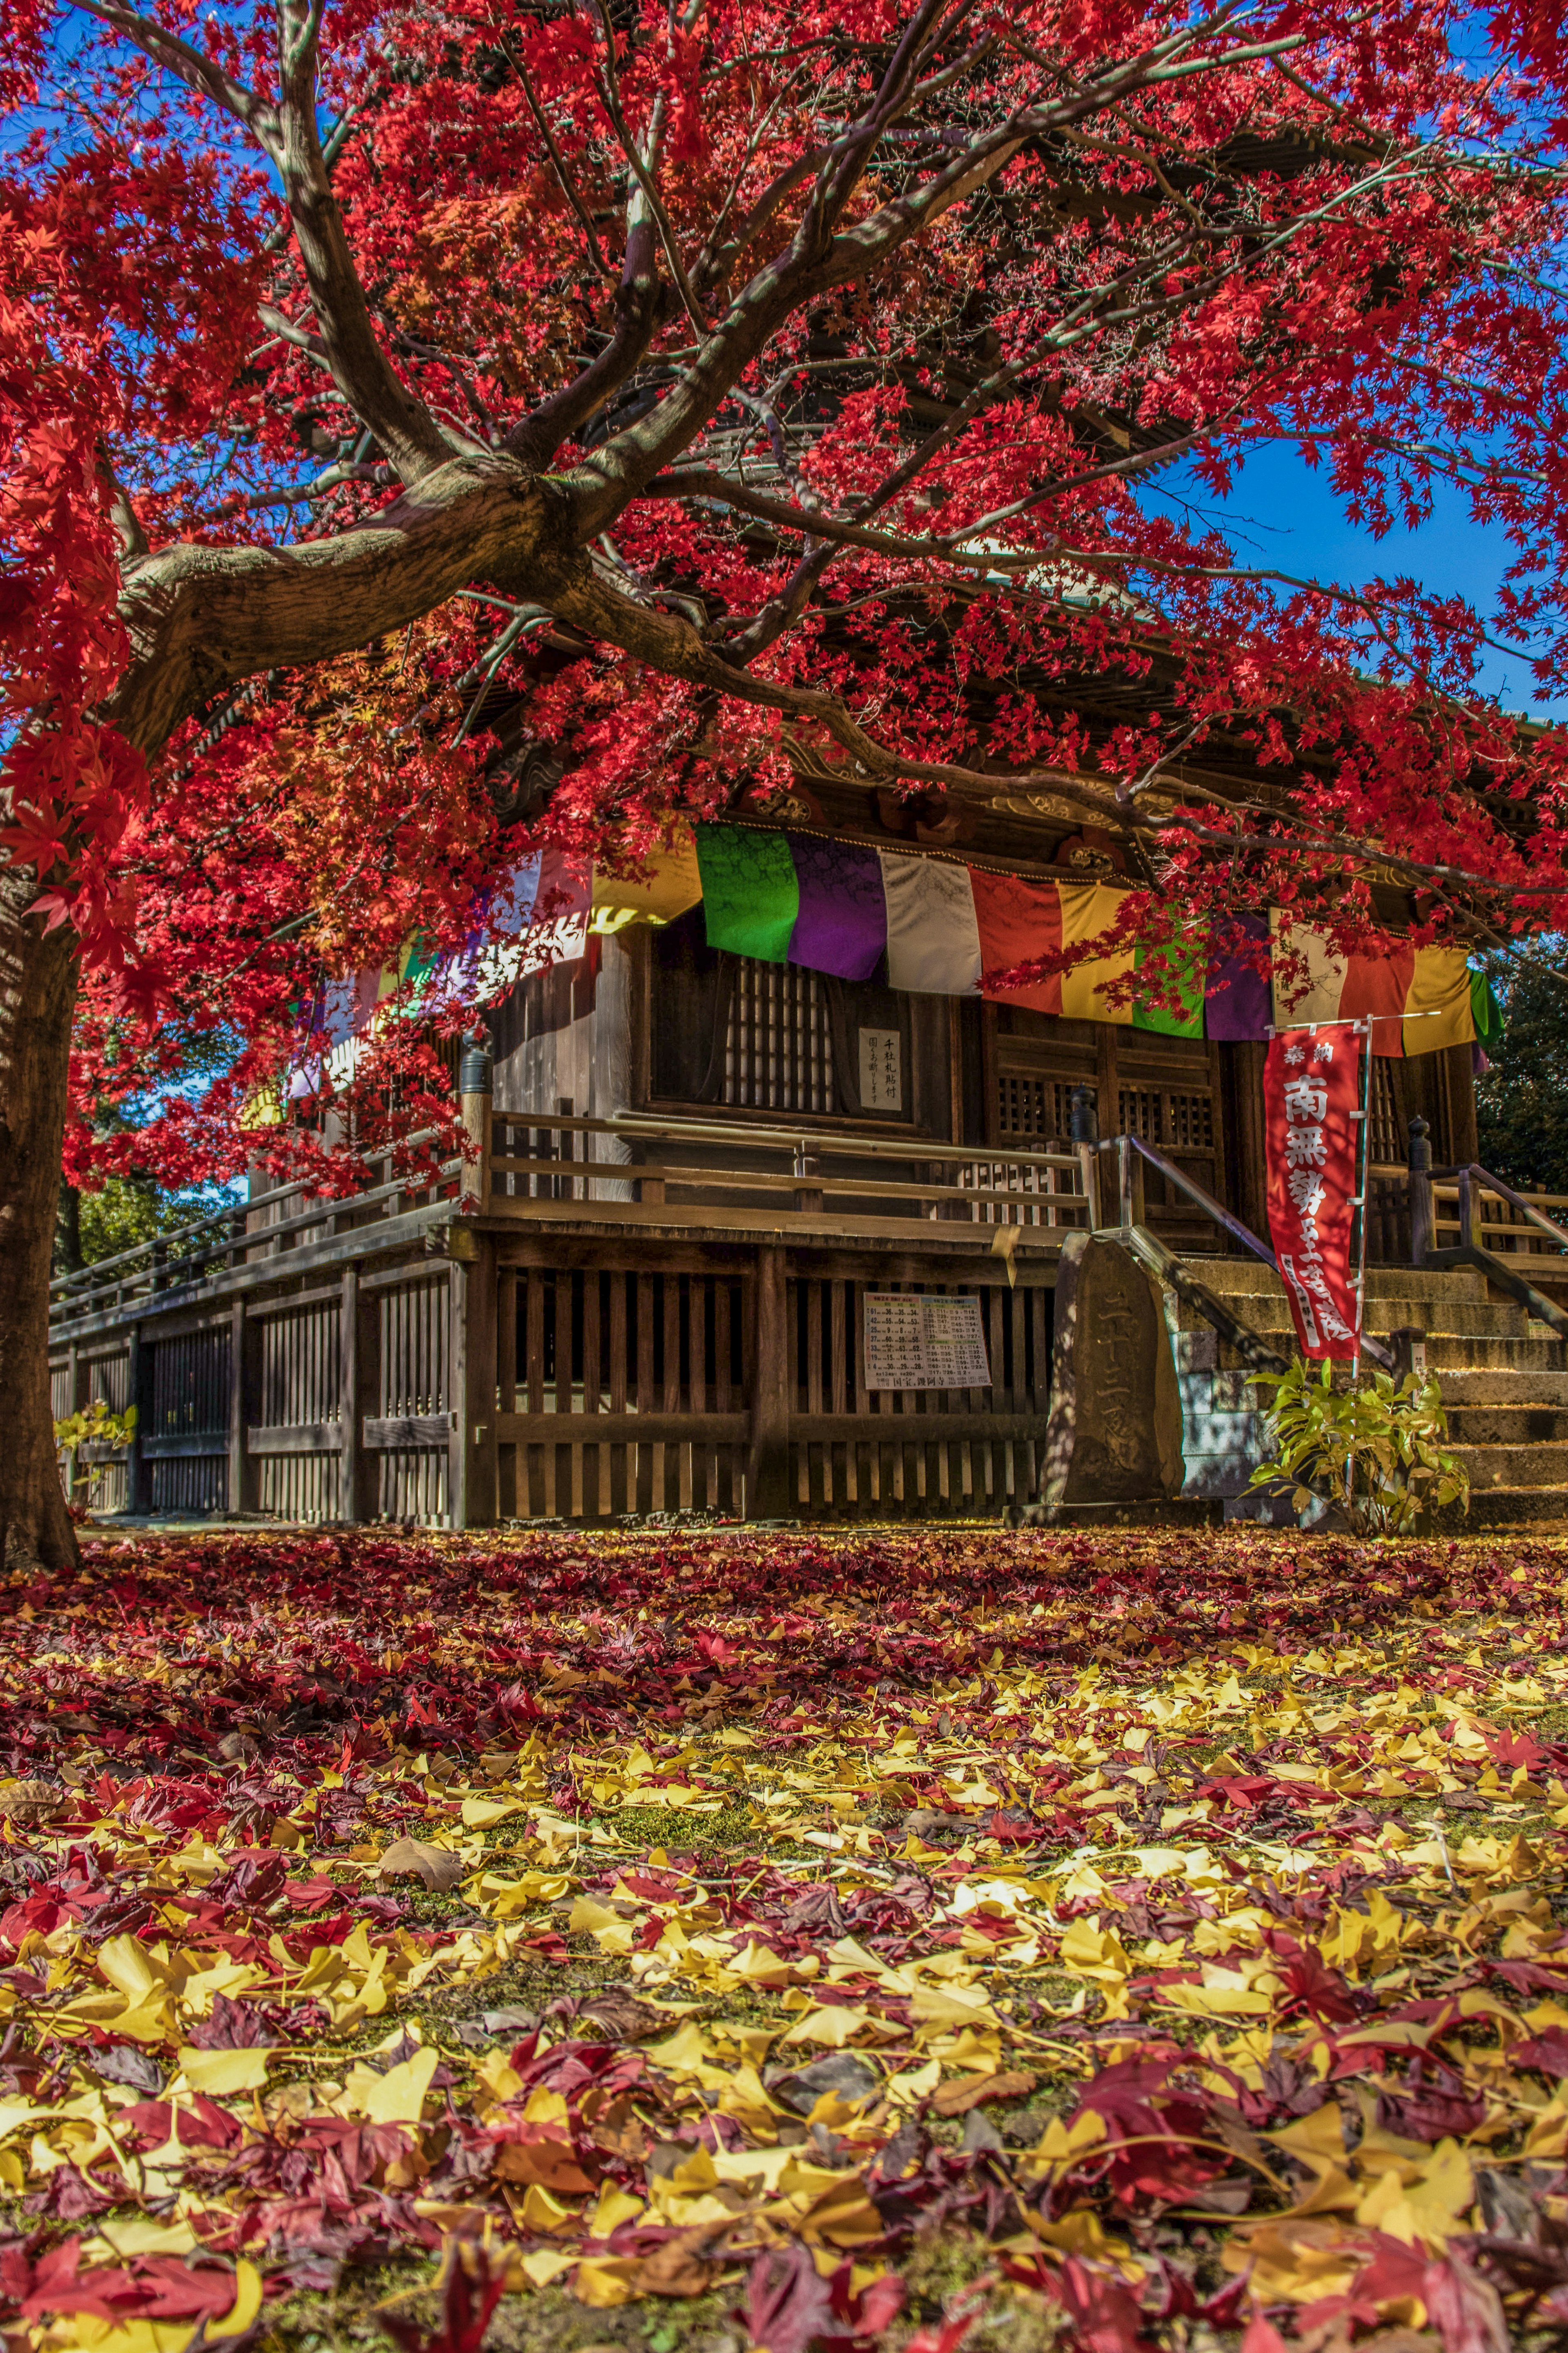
<point>1311,1088</point>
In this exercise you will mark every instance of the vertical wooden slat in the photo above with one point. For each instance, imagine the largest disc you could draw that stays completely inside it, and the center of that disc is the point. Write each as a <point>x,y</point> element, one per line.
<point>645,1389</point>
<point>619,1370</point>
<point>534,1321</point>
<point>697,1292</point>
<point>474,1388</point>
<point>238,1458</point>
<point>837,1342</point>
<point>459,1286</point>
<point>818,1472</point>
<point>563,1502</point>
<point>593,1499</point>
<point>672,1475</point>
<point>768,1485</point>
<point>724,1497</point>
<point>507,1481</point>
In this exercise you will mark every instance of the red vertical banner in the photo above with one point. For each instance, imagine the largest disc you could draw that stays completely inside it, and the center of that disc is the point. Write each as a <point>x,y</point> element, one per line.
<point>1312,1090</point>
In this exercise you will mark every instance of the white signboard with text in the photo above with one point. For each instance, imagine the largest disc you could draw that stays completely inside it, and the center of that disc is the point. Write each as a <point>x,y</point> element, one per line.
<point>924,1344</point>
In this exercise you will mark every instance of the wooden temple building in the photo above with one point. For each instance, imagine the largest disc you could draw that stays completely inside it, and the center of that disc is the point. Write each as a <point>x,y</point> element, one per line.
<point>697,1177</point>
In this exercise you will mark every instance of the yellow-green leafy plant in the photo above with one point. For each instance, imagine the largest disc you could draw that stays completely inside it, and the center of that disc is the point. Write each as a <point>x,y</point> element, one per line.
<point>95,1425</point>
<point>1378,1452</point>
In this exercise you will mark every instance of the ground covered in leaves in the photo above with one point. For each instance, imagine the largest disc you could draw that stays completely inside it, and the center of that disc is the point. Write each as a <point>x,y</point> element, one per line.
<point>785,1939</point>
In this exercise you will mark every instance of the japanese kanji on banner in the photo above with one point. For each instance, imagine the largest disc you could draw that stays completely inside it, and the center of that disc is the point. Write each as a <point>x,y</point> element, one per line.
<point>1311,1088</point>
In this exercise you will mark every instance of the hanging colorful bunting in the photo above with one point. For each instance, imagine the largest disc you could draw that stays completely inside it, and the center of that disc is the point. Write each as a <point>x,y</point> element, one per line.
<point>1181,967</point>
<point>1486,1013</point>
<point>1019,921</point>
<point>1238,1000</point>
<point>1440,1006</point>
<point>933,939</point>
<point>1311,1089</point>
<point>672,881</point>
<point>1417,998</point>
<point>1089,911</point>
<point>842,925</point>
<point>749,894</point>
<point>943,927</point>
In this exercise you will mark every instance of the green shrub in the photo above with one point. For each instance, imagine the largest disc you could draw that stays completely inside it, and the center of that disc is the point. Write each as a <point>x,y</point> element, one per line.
<point>1378,1452</point>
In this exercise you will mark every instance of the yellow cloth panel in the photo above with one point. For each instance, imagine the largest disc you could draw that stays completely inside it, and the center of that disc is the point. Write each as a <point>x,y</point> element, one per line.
<point>1439,987</point>
<point>1087,910</point>
<point>673,885</point>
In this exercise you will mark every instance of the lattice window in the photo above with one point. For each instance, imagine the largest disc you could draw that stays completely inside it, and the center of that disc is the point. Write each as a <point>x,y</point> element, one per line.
<point>1190,1122</point>
<point>778,1048</point>
<point>1141,1109</point>
<point>1032,1106</point>
<point>1172,1119</point>
<point>1388,1140</point>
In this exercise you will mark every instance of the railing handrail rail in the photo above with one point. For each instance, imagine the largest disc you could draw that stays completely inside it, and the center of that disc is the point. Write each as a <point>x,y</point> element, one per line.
<point>330,1202</point>
<point>794,1139</point>
<point>1505,1192</point>
<point>1206,1201</point>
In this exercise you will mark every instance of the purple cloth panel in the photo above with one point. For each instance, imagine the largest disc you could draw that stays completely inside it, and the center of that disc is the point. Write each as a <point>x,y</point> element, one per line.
<point>842,927</point>
<point>1237,1002</point>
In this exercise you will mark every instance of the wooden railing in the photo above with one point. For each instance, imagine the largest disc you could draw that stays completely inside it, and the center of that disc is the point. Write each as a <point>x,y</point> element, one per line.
<point>285,1218</point>
<point>700,1170</point>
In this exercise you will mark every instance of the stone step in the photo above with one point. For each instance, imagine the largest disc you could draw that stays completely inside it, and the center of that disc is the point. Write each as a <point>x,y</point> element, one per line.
<point>1232,1277</point>
<point>1511,1507</point>
<point>1508,1425</point>
<point>1529,1465</point>
<point>1464,1352</point>
<point>1503,1385</point>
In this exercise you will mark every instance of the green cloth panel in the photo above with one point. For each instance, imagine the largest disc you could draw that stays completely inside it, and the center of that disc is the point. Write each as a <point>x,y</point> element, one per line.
<point>751,896</point>
<point>1485,1010</point>
<point>1190,960</point>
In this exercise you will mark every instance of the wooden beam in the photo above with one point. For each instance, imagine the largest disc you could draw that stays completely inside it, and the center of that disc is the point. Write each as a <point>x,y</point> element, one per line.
<point>623,1429</point>
<point>394,1432</point>
<point>298,1438</point>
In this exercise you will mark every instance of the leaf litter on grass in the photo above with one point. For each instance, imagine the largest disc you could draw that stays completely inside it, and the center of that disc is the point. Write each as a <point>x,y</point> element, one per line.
<point>1174,1925</point>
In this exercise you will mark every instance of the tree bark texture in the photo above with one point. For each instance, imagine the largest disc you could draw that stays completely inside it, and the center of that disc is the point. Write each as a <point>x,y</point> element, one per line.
<point>38,996</point>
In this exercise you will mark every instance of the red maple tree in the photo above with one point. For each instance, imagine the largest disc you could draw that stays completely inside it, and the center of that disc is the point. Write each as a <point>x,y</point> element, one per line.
<point>736,386</point>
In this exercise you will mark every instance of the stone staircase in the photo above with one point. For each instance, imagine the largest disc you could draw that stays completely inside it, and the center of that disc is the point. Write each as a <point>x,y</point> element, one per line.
<point>1504,1381</point>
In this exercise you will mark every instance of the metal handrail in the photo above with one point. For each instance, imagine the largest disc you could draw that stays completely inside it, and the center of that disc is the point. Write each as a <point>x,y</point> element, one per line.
<point>1222,1216</point>
<point>1205,1200</point>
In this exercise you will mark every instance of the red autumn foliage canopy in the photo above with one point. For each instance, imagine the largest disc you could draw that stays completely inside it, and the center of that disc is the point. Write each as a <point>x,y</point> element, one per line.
<point>685,392</point>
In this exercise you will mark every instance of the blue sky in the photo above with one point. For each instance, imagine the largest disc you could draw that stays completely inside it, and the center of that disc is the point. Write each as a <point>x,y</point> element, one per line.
<point>1282,513</point>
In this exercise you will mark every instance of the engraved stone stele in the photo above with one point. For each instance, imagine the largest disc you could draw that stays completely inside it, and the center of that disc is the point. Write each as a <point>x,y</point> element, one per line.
<point>1115,1430</point>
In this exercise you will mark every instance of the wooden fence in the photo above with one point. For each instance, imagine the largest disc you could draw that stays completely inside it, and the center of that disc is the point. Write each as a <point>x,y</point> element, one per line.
<point>567,1326</point>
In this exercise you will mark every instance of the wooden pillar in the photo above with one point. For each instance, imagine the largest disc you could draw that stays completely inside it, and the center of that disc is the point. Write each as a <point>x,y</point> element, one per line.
<point>139,1384</point>
<point>356,1368</point>
<point>1458,1072</point>
<point>244,1407</point>
<point>768,1493</point>
<point>74,1403</point>
<point>471,1458</point>
<point>1248,1165</point>
<point>509,1485</point>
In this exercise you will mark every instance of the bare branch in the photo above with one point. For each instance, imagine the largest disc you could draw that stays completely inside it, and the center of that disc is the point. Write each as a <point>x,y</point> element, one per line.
<point>569,188</point>
<point>414,443</point>
<point>194,69</point>
<point>127,523</point>
<point>643,167</point>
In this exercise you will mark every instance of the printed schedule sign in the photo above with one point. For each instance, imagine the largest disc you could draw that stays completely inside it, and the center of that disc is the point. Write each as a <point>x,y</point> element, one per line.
<point>924,1344</point>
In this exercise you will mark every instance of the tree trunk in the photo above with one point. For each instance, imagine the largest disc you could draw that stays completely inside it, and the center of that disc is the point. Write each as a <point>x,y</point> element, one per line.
<point>38,996</point>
